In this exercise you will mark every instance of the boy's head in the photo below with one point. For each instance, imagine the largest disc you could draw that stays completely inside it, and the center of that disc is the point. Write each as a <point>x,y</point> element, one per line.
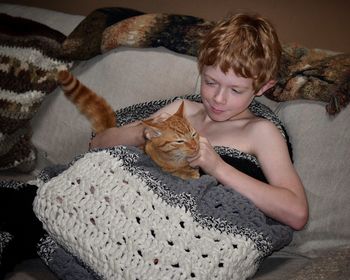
<point>246,44</point>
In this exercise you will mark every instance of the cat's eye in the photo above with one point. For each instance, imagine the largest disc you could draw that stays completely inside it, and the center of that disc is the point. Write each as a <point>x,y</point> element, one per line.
<point>180,141</point>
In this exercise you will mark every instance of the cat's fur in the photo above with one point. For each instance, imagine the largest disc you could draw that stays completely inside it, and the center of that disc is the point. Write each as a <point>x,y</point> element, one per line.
<point>169,142</point>
<point>99,113</point>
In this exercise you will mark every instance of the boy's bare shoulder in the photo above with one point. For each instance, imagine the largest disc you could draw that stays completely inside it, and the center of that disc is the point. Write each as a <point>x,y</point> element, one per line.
<point>171,108</point>
<point>262,135</point>
<point>260,127</point>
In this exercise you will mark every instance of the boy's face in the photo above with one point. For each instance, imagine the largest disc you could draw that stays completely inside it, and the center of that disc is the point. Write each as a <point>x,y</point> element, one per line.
<point>226,96</point>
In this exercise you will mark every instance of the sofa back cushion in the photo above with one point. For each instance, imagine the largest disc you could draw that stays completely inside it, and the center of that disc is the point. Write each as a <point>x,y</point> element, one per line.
<point>123,77</point>
<point>321,154</point>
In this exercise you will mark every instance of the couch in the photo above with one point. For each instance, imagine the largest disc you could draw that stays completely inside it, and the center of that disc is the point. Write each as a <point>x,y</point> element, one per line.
<point>126,76</point>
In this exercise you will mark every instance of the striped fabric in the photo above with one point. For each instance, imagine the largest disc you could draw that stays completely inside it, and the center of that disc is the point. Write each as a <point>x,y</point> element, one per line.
<point>29,57</point>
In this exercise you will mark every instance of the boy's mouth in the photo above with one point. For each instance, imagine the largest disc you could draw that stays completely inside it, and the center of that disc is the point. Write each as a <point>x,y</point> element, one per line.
<point>216,110</point>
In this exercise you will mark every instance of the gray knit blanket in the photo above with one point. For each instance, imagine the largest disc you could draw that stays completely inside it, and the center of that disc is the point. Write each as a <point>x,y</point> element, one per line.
<point>121,217</point>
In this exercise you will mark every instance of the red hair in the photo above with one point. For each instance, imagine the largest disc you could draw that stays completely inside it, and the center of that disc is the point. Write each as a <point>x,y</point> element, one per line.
<point>246,44</point>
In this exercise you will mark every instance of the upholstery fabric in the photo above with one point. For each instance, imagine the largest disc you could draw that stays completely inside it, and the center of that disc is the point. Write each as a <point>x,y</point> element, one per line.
<point>123,77</point>
<point>324,173</point>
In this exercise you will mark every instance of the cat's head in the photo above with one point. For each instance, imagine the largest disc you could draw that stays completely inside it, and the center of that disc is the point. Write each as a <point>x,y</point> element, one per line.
<point>174,135</point>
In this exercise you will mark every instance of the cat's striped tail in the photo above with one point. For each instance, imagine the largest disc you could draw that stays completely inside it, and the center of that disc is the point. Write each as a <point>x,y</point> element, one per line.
<point>96,109</point>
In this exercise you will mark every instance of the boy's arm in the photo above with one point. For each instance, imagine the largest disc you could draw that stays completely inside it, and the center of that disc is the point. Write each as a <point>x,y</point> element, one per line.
<point>284,197</point>
<point>131,135</point>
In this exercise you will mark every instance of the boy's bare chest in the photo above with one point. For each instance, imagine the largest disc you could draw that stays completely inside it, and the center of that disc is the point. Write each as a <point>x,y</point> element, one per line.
<point>232,134</point>
<point>228,134</point>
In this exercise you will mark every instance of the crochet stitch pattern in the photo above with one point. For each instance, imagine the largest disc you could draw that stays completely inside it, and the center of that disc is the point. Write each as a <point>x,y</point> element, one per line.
<point>126,219</point>
<point>29,56</point>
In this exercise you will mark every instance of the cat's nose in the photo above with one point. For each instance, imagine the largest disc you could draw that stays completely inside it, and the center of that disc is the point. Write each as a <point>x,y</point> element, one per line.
<point>193,145</point>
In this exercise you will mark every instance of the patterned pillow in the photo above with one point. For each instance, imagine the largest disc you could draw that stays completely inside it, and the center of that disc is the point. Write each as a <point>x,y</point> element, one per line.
<point>29,56</point>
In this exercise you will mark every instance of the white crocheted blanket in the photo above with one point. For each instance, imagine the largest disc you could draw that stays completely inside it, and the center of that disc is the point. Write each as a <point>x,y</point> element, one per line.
<point>125,219</point>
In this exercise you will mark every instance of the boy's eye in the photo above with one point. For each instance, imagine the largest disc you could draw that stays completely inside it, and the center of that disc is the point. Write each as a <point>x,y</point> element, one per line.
<point>209,82</point>
<point>235,91</point>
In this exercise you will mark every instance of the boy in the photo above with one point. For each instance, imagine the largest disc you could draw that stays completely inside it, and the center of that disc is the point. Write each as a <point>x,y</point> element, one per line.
<point>238,60</point>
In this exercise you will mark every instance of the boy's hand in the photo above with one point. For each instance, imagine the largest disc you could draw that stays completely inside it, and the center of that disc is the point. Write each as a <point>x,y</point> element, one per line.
<point>206,158</point>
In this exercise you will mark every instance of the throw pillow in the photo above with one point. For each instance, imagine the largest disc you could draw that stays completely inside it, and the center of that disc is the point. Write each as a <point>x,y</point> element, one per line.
<point>29,56</point>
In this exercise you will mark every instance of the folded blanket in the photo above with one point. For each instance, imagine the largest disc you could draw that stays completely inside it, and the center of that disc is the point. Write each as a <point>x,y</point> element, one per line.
<point>29,57</point>
<point>124,218</point>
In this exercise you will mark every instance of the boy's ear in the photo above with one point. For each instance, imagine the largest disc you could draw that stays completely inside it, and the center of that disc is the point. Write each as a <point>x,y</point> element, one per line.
<point>266,87</point>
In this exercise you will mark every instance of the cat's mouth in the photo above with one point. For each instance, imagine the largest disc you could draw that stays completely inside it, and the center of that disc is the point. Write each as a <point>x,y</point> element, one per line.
<point>184,156</point>
<point>194,153</point>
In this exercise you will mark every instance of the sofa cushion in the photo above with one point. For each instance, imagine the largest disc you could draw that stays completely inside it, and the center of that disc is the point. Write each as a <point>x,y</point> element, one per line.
<point>331,264</point>
<point>123,77</point>
<point>321,156</point>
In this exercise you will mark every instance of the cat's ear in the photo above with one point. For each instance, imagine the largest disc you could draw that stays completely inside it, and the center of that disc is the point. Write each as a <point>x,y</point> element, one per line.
<point>180,111</point>
<point>151,130</point>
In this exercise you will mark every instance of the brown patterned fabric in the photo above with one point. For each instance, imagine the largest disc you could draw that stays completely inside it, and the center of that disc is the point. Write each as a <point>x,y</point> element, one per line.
<point>178,33</point>
<point>314,75</point>
<point>305,73</point>
<point>85,40</point>
<point>29,56</point>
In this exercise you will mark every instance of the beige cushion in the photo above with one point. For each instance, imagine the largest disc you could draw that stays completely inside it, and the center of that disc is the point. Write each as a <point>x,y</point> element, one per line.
<point>123,77</point>
<point>321,152</point>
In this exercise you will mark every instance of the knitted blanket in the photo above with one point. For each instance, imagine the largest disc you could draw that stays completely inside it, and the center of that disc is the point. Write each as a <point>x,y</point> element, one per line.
<point>124,218</point>
<point>29,56</point>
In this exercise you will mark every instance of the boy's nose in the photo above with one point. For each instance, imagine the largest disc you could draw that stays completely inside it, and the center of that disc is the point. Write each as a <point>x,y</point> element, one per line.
<point>219,96</point>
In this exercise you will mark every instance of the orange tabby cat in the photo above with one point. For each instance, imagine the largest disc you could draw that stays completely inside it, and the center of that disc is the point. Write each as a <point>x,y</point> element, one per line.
<point>168,142</point>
